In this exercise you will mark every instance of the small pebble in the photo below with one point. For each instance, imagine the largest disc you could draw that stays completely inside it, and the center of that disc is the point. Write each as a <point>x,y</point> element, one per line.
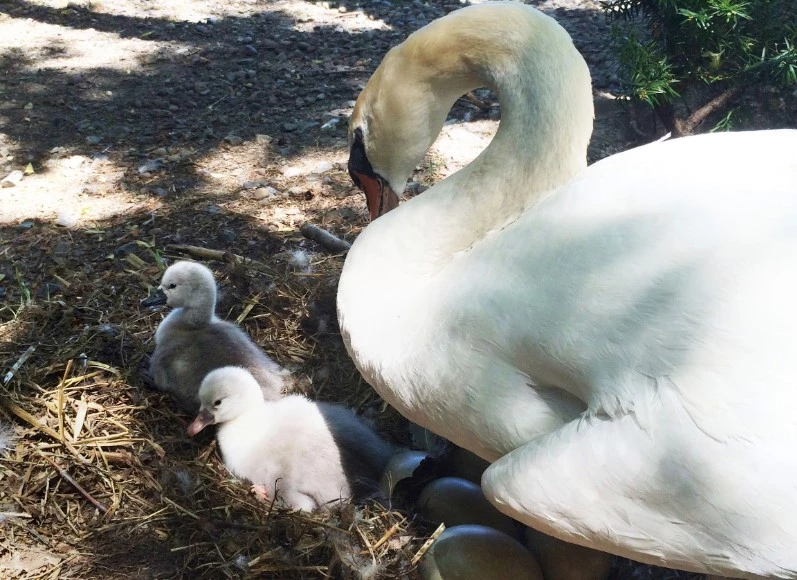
<point>266,193</point>
<point>65,219</point>
<point>322,167</point>
<point>12,178</point>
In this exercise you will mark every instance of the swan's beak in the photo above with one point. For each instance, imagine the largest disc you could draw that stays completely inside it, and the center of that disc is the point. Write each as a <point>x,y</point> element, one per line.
<point>379,196</point>
<point>157,298</point>
<point>202,420</point>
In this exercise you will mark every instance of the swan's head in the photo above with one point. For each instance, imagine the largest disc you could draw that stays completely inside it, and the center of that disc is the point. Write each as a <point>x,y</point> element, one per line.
<point>394,122</point>
<point>226,393</point>
<point>185,285</point>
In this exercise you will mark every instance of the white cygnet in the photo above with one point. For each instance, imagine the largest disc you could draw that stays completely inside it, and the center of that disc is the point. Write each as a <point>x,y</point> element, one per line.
<point>191,341</point>
<point>307,454</point>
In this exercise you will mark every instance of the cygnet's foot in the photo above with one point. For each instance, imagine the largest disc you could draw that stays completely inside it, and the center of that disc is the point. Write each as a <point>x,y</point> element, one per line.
<point>260,492</point>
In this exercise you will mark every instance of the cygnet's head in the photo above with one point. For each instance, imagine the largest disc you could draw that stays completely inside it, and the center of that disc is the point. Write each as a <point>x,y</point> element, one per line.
<point>226,393</point>
<point>186,285</point>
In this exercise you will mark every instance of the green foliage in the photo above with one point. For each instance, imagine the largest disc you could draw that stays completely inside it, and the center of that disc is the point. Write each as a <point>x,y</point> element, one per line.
<point>736,42</point>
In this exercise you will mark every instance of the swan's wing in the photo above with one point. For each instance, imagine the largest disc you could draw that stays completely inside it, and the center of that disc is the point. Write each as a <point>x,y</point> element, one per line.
<point>655,489</point>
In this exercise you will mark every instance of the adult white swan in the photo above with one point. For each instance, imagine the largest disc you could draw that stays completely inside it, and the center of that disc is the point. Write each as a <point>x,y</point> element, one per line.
<point>620,340</point>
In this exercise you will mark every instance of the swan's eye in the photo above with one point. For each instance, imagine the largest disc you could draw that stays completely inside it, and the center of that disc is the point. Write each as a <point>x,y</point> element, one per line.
<point>172,286</point>
<point>217,402</point>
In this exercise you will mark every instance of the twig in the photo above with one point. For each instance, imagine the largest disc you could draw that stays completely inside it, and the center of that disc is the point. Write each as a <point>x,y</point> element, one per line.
<point>427,544</point>
<point>393,529</point>
<point>20,361</point>
<point>476,101</point>
<point>61,399</point>
<point>219,256</point>
<point>75,484</point>
<point>323,237</point>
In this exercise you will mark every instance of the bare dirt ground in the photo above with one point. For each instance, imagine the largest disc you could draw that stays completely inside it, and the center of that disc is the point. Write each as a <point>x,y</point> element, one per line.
<point>221,125</point>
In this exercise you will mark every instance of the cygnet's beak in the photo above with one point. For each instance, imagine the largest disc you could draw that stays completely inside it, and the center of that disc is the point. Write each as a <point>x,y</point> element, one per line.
<point>157,298</point>
<point>202,420</point>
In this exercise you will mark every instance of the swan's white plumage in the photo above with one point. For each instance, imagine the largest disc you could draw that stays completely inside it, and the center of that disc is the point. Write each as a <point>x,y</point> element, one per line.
<point>618,339</point>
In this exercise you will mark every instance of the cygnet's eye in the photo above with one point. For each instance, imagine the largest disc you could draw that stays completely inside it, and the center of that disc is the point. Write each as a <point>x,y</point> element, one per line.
<point>217,402</point>
<point>172,286</point>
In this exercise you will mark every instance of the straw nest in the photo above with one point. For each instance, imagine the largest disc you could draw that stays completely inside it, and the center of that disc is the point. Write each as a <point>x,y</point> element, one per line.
<point>99,479</point>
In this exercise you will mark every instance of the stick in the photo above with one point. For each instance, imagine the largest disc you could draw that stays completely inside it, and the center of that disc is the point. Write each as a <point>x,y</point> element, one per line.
<point>475,101</point>
<point>323,237</point>
<point>25,356</point>
<point>219,256</point>
<point>75,484</point>
<point>428,544</point>
<point>61,399</point>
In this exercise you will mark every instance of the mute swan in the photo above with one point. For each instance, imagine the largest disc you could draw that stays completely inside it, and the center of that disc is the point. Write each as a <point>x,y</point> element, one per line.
<point>191,341</point>
<point>618,340</point>
<point>307,453</point>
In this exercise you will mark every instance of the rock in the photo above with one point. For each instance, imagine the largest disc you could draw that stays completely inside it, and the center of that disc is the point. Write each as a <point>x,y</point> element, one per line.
<point>414,188</point>
<point>322,167</point>
<point>290,171</point>
<point>159,152</point>
<point>65,219</point>
<point>227,235</point>
<point>478,552</point>
<point>150,166</point>
<point>126,249</point>
<point>93,140</point>
<point>289,127</point>
<point>48,289</point>
<point>74,161</point>
<point>233,140</point>
<point>25,225</point>
<point>62,247</point>
<point>12,179</point>
<point>251,184</point>
<point>266,193</point>
<point>263,139</point>
<point>249,49</point>
<point>331,125</point>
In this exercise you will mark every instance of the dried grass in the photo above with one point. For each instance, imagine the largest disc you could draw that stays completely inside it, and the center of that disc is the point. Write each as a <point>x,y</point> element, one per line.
<point>101,480</point>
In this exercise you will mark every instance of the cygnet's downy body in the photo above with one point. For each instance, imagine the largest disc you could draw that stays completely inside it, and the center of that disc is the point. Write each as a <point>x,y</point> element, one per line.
<point>303,453</point>
<point>191,341</point>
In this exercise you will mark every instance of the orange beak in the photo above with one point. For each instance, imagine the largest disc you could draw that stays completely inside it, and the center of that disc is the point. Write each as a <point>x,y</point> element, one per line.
<point>202,420</point>
<point>379,196</point>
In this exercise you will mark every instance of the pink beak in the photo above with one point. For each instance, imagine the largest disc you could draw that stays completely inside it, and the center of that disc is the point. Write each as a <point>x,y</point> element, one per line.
<point>202,420</point>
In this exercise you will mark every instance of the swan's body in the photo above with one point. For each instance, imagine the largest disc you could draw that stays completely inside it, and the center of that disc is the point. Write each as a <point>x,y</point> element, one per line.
<point>307,454</point>
<point>191,341</point>
<point>617,339</point>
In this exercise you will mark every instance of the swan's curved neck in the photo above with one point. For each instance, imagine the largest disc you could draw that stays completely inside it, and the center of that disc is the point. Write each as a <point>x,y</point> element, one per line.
<point>544,89</point>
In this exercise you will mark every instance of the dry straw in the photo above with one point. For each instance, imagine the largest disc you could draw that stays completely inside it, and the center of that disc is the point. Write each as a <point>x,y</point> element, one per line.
<point>101,480</point>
